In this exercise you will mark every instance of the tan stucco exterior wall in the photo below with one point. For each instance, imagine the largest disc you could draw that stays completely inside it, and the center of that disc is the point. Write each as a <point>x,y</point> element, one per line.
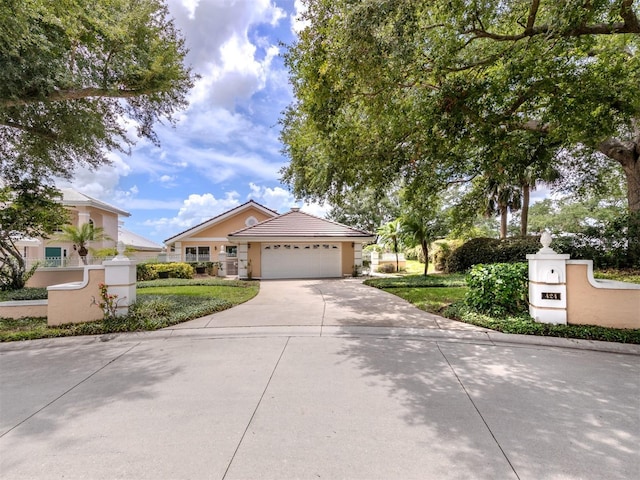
<point>607,307</point>
<point>220,231</point>
<point>106,220</point>
<point>23,309</point>
<point>45,277</point>
<point>75,306</point>
<point>255,256</point>
<point>347,258</point>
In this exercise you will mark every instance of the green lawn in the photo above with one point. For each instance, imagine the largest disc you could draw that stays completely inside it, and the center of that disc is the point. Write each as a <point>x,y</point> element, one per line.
<point>444,294</point>
<point>433,299</point>
<point>160,303</point>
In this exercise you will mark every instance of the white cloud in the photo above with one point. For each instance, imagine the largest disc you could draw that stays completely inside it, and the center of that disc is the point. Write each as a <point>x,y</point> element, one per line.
<point>281,200</point>
<point>194,210</point>
<point>297,22</point>
<point>101,181</point>
<point>276,198</point>
<point>221,50</point>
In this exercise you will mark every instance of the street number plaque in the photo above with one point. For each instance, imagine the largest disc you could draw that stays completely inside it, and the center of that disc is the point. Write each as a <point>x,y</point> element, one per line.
<point>551,296</point>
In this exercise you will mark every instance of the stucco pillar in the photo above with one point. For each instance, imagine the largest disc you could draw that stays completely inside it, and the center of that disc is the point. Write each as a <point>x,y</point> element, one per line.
<point>357,255</point>
<point>222,258</point>
<point>548,284</point>
<point>120,279</point>
<point>243,258</point>
<point>375,260</point>
<point>83,217</point>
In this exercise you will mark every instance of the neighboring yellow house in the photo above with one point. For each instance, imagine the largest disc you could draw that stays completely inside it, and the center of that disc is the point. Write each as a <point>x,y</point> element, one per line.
<point>83,209</point>
<point>253,241</point>
<point>60,263</point>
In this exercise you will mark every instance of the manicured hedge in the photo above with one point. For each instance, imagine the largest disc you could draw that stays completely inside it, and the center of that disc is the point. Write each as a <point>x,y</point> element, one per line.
<point>151,271</point>
<point>491,250</point>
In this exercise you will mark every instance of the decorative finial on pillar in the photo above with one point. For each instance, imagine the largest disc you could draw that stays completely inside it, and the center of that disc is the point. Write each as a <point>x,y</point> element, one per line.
<point>120,248</point>
<point>545,240</point>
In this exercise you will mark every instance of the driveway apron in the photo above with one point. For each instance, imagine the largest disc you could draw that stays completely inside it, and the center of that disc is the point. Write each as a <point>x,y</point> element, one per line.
<point>328,302</point>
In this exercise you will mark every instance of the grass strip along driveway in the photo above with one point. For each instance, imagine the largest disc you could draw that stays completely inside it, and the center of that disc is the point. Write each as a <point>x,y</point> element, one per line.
<point>160,303</point>
<point>444,295</point>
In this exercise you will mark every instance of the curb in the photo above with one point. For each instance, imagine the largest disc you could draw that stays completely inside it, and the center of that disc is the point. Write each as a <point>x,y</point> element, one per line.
<point>489,338</point>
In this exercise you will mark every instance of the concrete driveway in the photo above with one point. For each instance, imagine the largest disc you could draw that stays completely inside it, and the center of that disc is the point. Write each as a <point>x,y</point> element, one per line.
<point>320,396</point>
<point>325,303</point>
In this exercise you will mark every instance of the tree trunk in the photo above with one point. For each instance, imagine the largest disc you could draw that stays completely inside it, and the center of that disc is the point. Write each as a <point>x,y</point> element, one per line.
<point>524,214</point>
<point>425,252</point>
<point>82,251</point>
<point>627,154</point>
<point>503,221</point>
<point>633,199</point>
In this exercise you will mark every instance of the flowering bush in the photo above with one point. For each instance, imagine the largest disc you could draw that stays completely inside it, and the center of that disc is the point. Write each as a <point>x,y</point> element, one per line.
<point>108,302</point>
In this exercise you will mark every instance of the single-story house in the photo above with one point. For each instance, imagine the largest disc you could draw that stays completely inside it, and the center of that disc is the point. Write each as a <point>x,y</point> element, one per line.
<point>253,241</point>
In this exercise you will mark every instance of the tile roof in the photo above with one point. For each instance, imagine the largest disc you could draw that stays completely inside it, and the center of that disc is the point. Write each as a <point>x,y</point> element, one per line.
<point>299,225</point>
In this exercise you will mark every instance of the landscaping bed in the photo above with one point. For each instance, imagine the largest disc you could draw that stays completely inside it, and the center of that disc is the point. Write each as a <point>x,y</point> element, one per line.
<point>160,304</point>
<point>444,294</point>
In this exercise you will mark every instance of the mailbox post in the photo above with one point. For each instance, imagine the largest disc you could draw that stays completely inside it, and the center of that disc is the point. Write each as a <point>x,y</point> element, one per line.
<point>548,284</point>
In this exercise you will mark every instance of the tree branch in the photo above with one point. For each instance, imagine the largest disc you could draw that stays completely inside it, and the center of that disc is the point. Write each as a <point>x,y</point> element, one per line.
<point>47,135</point>
<point>76,94</point>
<point>628,15</point>
<point>533,12</point>
<point>630,24</point>
<point>625,153</point>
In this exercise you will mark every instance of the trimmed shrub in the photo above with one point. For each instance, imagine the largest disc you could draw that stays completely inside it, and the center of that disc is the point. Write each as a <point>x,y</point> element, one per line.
<point>498,289</point>
<point>491,250</point>
<point>144,271</point>
<point>387,268</point>
<point>414,253</point>
<point>441,252</point>
<point>175,269</point>
<point>476,250</point>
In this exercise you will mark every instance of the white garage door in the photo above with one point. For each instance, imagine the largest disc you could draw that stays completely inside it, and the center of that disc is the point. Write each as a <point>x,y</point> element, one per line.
<point>301,260</point>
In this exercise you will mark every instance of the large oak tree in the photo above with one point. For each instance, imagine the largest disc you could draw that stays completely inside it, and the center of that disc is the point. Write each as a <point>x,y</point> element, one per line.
<point>76,74</point>
<point>437,92</point>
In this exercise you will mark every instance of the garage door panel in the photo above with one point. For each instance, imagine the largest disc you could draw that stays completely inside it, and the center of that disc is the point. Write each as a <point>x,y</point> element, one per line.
<point>289,260</point>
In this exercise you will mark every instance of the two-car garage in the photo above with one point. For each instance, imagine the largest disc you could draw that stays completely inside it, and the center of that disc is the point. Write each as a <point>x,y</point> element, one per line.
<point>298,245</point>
<point>301,260</point>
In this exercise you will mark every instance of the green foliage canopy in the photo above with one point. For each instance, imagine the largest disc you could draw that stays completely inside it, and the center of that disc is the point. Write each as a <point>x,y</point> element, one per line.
<point>74,73</point>
<point>28,209</point>
<point>444,91</point>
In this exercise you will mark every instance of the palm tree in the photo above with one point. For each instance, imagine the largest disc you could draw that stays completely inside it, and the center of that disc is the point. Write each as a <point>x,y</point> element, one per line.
<point>81,237</point>
<point>391,234</point>
<point>539,170</point>
<point>423,229</point>
<point>500,199</point>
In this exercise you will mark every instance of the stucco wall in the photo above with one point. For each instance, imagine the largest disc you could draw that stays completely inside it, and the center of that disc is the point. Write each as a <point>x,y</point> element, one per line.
<point>255,256</point>
<point>215,236</point>
<point>347,258</point>
<point>22,309</point>
<point>76,306</point>
<point>608,307</point>
<point>45,277</point>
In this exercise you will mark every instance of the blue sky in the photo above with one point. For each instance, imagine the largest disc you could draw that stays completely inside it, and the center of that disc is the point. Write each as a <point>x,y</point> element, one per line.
<point>224,149</point>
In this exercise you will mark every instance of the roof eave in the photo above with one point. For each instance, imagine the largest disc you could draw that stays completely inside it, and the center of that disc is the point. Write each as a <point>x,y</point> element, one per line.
<point>217,219</point>
<point>293,238</point>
